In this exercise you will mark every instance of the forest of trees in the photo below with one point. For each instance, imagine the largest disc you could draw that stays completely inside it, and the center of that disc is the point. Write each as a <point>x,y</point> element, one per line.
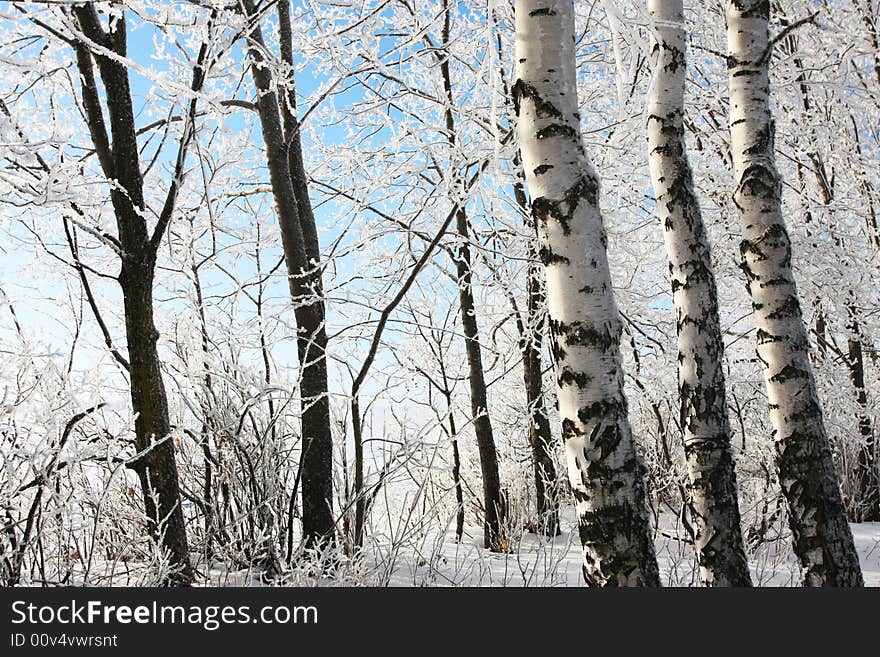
<point>440,292</point>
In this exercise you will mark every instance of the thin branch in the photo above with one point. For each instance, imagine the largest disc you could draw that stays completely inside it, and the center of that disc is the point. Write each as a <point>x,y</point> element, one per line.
<point>87,288</point>
<point>811,19</point>
<point>386,313</point>
<point>198,80</point>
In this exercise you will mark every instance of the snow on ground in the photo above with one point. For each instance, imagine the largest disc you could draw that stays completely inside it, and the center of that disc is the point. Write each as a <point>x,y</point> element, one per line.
<point>435,559</point>
<point>557,562</point>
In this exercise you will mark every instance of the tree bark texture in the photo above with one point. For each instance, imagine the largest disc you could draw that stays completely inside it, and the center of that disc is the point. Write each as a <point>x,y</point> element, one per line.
<point>702,403</point>
<point>493,523</point>
<point>822,538</point>
<point>603,468</point>
<point>299,239</point>
<point>118,155</point>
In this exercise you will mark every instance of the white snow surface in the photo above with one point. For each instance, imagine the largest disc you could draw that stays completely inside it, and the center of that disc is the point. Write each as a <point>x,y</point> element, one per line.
<point>437,560</point>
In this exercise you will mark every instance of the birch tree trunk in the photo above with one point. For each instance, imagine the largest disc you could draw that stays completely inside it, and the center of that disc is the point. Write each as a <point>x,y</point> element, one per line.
<point>822,538</point>
<point>864,504</point>
<point>703,406</point>
<point>585,325</point>
<point>531,331</point>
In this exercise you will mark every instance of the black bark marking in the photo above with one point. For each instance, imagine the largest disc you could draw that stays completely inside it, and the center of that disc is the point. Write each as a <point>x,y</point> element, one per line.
<point>543,108</point>
<point>788,373</point>
<point>568,376</point>
<point>544,209</point>
<point>548,257</point>
<point>580,334</point>
<point>557,130</point>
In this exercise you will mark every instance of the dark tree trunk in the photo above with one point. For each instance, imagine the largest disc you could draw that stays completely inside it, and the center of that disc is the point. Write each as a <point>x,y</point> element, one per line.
<point>119,158</point>
<point>360,503</point>
<point>299,239</point>
<point>456,466</point>
<point>867,506</point>
<point>157,470</point>
<point>540,434</point>
<point>493,526</point>
<point>532,339</point>
<point>494,510</point>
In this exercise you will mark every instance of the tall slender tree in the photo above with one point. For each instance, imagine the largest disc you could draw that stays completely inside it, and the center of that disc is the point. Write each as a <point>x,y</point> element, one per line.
<point>119,158</point>
<point>702,403</point>
<point>867,506</point>
<point>493,524</point>
<point>603,468</point>
<point>531,324</point>
<point>288,179</point>
<point>864,504</point>
<point>822,538</point>
<point>534,320</point>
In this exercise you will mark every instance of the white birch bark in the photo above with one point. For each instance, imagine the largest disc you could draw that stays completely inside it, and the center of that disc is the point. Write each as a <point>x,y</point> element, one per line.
<point>822,538</point>
<point>703,408</point>
<point>603,468</point>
